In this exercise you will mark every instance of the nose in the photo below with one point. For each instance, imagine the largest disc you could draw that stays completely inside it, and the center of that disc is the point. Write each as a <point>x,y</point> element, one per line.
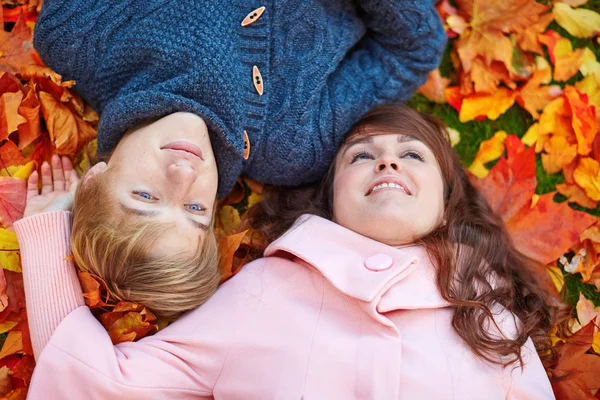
<point>387,161</point>
<point>181,178</point>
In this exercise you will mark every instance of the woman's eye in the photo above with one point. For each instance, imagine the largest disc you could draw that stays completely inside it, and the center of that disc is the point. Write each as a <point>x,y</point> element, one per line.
<point>413,155</point>
<point>144,195</point>
<point>363,155</point>
<point>194,207</point>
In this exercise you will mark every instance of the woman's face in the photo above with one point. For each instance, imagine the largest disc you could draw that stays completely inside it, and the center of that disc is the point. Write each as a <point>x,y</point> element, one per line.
<point>166,172</point>
<point>388,187</point>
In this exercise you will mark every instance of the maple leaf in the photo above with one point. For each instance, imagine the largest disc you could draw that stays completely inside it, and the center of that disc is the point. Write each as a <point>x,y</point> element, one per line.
<point>12,200</point>
<point>584,119</point>
<point>489,150</point>
<point>559,153</point>
<point>480,105</point>
<point>5,381</point>
<point>534,97</point>
<point>576,373</point>
<point>95,290</point>
<point>16,47</point>
<point>12,345</point>
<point>566,61</point>
<point>10,119</point>
<point>68,131</point>
<point>527,39</point>
<point>129,327</point>
<point>433,89</point>
<point>29,109</point>
<point>509,188</point>
<point>587,176</point>
<point>10,155</point>
<point>580,22</point>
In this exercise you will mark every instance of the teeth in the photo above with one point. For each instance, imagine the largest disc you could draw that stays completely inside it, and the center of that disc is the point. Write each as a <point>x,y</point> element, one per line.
<point>387,185</point>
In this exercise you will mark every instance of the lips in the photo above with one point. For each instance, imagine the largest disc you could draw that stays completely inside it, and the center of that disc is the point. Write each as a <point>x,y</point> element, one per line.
<point>387,183</point>
<point>186,148</point>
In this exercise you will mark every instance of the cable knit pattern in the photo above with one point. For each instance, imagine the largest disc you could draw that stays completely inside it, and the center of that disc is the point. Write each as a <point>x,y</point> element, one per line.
<point>51,284</point>
<point>324,64</point>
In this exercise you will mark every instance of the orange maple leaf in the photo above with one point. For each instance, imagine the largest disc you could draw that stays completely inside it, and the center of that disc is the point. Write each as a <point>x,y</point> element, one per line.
<point>576,374</point>
<point>566,61</point>
<point>16,46</point>
<point>509,188</point>
<point>533,97</point>
<point>12,200</point>
<point>584,119</point>
<point>433,89</point>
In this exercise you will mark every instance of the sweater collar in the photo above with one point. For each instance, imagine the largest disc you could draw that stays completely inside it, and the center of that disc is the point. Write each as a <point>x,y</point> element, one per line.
<point>341,256</point>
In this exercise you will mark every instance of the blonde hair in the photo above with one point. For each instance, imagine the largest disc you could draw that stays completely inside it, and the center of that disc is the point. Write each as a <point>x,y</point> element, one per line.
<point>117,248</point>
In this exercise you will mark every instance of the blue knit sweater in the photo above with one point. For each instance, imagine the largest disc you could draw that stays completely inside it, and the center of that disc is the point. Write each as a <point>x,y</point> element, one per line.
<point>322,65</point>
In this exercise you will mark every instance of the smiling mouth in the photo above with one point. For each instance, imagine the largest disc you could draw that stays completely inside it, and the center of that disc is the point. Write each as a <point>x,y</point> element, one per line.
<point>388,185</point>
<point>185,149</point>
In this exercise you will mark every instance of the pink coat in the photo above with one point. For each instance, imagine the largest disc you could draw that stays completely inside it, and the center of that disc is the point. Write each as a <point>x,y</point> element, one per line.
<point>326,314</point>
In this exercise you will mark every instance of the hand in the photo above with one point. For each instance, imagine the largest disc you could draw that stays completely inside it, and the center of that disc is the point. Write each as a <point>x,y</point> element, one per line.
<point>58,187</point>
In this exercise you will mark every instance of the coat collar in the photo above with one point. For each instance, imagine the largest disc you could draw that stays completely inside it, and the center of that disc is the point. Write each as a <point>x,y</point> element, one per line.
<point>339,254</point>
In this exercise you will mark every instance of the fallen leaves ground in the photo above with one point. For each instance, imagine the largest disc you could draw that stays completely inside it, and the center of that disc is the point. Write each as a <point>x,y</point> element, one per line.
<point>519,87</point>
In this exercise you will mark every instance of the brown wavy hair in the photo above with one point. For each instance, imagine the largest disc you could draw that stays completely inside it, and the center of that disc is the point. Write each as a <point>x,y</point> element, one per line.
<point>478,266</point>
<point>120,249</point>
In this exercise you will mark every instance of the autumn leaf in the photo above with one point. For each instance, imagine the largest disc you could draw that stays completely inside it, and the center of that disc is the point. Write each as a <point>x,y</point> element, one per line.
<point>575,194</point>
<point>228,245</point>
<point>576,374</point>
<point>129,327</point>
<point>9,117</point>
<point>68,131</point>
<point>566,61</point>
<point>534,97</point>
<point>434,88</point>
<point>9,246</point>
<point>10,155</point>
<point>94,289</point>
<point>16,47</point>
<point>579,22</point>
<point>486,105</point>
<point>587,176</point>
<point>584,119</point>
<point>559,153</point>
<point>29,109</point>
<point>489,150</point>
<point>12,200</point>
<point>12,345</point>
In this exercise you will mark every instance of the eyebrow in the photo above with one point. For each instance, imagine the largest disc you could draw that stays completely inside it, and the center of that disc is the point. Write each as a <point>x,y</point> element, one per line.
<point>369,139</point>
<point>144,213</point>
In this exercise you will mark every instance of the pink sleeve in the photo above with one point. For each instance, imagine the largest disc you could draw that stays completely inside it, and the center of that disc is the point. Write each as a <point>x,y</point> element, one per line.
<point>52,289</point>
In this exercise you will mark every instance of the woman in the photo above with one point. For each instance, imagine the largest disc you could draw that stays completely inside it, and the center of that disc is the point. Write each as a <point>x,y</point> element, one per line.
<point>194,93</point>
<point>400,283</point>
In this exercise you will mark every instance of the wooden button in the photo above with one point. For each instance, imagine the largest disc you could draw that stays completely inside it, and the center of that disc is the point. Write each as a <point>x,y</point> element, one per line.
<point>253,16</point>
<point>246,145</point>
<point>257,80</point>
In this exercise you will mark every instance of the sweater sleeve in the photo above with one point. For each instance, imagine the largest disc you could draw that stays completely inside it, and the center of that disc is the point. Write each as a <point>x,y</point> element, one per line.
<point>405,40</point>
<point>52,289</point>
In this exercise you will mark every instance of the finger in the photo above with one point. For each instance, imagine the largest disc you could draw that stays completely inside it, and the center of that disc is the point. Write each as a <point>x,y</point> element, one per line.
<point>73,182</point>
<point>58,174</point>
<point>32,185</point>
<point>46,178</point>
<point>67,166</point>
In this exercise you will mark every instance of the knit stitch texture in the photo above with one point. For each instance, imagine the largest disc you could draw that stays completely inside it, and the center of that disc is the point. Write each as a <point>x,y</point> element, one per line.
<point>324,64</point>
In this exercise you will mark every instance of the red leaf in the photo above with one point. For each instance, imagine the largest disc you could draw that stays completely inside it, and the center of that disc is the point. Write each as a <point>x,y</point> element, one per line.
<point>12,200</point>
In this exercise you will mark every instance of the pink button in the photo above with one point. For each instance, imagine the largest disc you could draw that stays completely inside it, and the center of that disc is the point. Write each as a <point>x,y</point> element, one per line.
<point>379,262</point>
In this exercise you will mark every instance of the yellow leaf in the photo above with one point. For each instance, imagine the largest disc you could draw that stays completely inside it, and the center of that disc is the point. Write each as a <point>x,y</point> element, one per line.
<point>587,175</point>
<point>19,171</point>
<point>9,258</point>
<point>553,337</point>
<point>7,326</point>
<point>589,63</point>
<point>454,136</point>
<point>591,86</point>
<point>557,277</point>
<point>228,222</point>
<point>489,150</point>
<point>596,343</point>
<point>559,153</point>
<point>253,199</point>
<point>487,105</point>
<point>13,344</point>
<point>531,136</point>
<point>578,22</point>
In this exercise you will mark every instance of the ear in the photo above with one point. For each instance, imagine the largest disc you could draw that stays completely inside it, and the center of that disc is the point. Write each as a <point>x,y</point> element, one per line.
<point>95,170</point>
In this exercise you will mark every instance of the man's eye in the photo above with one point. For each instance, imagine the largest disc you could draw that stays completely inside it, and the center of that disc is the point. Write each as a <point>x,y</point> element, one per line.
<point>363,155</point>
<point>144,195</point>
<point>194,207</point>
